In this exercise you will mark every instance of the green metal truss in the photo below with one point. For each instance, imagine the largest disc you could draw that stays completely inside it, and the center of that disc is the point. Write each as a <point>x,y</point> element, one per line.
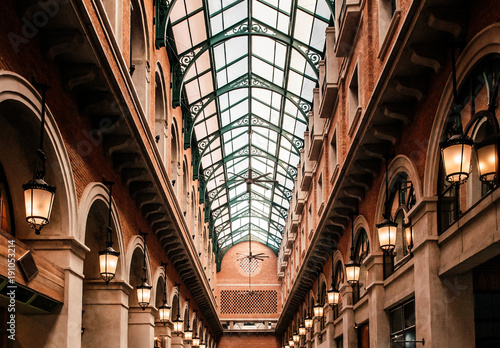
<point>244,81</point>
<point>187,58</point>
<point>244,78</point>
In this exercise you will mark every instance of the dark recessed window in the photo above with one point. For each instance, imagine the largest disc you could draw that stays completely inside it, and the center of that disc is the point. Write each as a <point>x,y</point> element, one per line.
<point>402,318</point>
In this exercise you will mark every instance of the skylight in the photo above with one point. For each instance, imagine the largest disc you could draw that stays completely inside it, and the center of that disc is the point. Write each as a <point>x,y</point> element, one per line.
<point>247,69</point>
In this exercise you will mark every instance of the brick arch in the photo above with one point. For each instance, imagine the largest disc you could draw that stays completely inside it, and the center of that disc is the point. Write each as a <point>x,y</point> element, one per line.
<point>15,91</point>
<point>484,43</point>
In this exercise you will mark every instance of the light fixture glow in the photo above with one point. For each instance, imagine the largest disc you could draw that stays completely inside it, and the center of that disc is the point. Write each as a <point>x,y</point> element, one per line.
<point>144,289</point>
<point>352,270</point>
<point>108,257</point>
<point>38,195</point>
<point>318,310</point>
<point>387,233</point>
<point>487,157</point>
<point>178,322</point>
<point>456,153</point>
<point>164,310</point>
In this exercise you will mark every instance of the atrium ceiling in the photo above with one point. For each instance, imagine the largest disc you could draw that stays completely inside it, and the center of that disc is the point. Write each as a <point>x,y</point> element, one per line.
<point>244,75</point>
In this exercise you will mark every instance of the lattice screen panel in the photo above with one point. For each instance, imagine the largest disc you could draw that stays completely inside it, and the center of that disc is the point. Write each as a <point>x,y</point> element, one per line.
<point>243,302</point>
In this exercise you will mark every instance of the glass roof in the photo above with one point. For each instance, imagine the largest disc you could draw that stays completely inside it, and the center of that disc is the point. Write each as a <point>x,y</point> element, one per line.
<point>246,71</point>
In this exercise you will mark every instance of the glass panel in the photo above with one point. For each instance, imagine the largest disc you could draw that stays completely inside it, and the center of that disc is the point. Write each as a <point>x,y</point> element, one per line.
<point>242,106</point>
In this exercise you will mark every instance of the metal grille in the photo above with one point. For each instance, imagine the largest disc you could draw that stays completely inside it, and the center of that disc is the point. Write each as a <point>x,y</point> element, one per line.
<point>245,302</point>
<point>248,266</point>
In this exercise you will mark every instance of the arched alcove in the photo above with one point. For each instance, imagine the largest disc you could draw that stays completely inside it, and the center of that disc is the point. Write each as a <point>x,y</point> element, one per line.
<point>101,312</point>
<point>139,53</point>
<point>174,157</point>
<point>20,112</point>
<point>140,327</point>
<point>160,114</point>
<point>185,187</point>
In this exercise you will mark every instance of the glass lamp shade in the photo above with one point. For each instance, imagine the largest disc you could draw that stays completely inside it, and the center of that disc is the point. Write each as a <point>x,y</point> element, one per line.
<point>352,272</point>
<point>291,343</point>
<point>308,322</point>
<point>196,342</point>
<point>456,154</point>
<point>318,310</point>
<point>409,237</point>
<point>302,330</point>
<point>188,335</point>
<point>144,294</point>
<point>108,261</point>
<point>387,232</point>
<point>38,200</point>
<point>487,157</point>
<point>296,337</point>
<point>333,297</point>
<point>203,345</point>
<point>178,326</point>
<point>164,312</point>
<point>287,346</point>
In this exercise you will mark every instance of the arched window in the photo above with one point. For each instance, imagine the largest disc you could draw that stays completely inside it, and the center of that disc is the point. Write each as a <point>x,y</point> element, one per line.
<point>338,280</point>
<point>139,65</point>
<point>200,231</point>
<point>204,246</point>
<point>361,250</point>
<point>311,306</point>
<point>174,305</point>
<point>160,130</point>
<point>473,96</point>
<point>192,213</point>
<point>6,217</point>
<point>174,158</point>
<point>187,324</point>
<point>322,300</point>
<point>185,185</point>
<point>402,199</point>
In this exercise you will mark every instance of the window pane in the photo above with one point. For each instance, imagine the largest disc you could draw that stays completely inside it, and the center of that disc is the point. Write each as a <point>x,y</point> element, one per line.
<point>396,320</point>
<point>409,312</point>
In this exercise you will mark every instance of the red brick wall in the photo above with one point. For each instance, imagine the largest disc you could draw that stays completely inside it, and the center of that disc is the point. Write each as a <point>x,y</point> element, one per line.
<point>249,341</point>
<point>231,277</point>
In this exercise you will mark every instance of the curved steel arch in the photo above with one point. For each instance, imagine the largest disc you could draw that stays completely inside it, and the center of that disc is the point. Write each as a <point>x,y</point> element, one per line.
<point>245,238</point>
<point>214,194</point>
<point>240,29</point>
<point>225,207</point>
<point>243,122</point>
<point>287,194</point>
<point>244,214</point>
<point>290,170</point>
<point>245,81</point>
<point>256,122</point>
<point>163,9</point>
<point>245,196</point>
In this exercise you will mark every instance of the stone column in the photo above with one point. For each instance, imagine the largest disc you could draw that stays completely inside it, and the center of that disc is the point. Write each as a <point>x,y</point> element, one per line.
<point>443,305</point>
<point>349,333</point>
<point>164,334</point>
<point>69,254</point>
<point>330,328</point>
<point>140,327</point>
<point>379,327</point>
<point>106,314</point>
<point>177,342</point>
